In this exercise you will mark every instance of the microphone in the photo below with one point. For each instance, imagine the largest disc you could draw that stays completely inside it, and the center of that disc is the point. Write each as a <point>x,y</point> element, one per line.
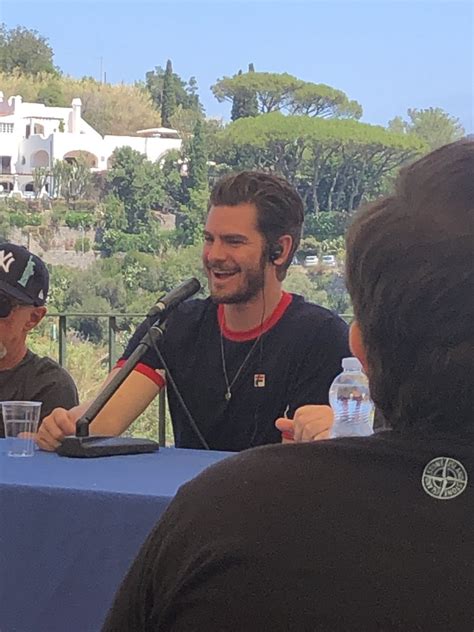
<point>82,445</point>
<point>169,301</point>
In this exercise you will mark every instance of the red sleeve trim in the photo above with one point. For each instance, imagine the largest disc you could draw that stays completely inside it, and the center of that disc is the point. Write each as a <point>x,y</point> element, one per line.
<point>144,369</point>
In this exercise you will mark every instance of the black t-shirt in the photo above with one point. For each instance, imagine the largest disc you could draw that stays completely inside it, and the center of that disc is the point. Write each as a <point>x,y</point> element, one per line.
<point>298,356</point>
<point>38,379</point>
<point>338,535</point>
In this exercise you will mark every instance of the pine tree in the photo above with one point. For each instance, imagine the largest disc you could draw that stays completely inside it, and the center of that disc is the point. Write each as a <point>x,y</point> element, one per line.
<point>245,101</point>
<point>197,170</point>
<point>168,102</point>
<point>251,104</point>
<point>237,103</point>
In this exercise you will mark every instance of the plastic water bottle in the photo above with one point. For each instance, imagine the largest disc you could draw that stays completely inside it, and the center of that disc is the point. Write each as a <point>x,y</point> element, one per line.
<point>350,401</point>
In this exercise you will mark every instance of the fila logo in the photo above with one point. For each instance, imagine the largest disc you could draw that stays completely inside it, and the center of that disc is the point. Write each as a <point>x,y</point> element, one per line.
<point>6,260</point>
<point>259,380</point>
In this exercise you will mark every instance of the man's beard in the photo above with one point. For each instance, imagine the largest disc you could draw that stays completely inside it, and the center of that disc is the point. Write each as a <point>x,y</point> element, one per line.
<point>253,284</point>
<point>3,351</point>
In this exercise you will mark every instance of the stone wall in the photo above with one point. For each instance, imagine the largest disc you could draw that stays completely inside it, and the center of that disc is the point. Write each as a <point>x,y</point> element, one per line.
<point>58,247</point>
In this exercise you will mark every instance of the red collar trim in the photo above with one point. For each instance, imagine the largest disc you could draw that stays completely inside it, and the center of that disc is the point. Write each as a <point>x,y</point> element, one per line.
<point>250,334</point>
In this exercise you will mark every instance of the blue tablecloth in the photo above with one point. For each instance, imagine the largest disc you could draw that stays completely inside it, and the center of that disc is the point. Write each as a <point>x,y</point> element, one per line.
<point>70,528</point>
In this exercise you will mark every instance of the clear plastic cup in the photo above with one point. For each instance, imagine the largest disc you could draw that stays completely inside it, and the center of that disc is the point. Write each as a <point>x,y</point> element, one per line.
<point>20,420</point>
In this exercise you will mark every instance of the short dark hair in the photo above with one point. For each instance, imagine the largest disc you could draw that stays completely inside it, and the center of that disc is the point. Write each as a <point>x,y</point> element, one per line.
<point>410,273</point>
<point>280,209</point>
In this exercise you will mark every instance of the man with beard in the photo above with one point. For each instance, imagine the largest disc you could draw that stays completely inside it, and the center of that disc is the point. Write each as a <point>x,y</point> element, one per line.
<point>25,376</point>
<point>367,534</point>
<point>248,354</point>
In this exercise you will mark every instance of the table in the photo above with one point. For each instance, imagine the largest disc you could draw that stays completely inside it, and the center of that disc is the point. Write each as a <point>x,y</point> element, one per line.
<point>70,528</point>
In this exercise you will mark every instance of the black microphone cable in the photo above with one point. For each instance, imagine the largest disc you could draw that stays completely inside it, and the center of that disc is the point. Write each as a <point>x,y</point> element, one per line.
<point>169,377</point>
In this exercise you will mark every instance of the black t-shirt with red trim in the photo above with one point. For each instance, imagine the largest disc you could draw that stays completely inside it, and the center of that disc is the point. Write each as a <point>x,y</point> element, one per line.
<point>293,363</point>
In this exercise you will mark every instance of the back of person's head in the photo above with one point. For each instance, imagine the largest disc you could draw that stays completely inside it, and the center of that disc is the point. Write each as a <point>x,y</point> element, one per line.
<point>280,209</point>
<point>410,273</point>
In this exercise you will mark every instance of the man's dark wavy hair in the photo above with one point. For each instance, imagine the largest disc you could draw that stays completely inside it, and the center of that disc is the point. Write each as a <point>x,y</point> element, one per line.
<point>410,273</point>
<point>280,208</point>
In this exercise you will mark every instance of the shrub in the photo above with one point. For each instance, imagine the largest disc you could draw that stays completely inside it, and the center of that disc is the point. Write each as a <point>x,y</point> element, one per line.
<point>82,244</point>
<point>73,219</point>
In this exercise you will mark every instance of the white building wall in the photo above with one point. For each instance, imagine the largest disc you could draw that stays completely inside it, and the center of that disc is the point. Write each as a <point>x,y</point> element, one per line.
<point>9,147</point>
<point>78,136</point>
<point>153,148</point>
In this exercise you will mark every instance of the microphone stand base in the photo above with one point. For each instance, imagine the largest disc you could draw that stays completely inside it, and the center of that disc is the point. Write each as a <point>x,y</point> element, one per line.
<point>97,446</point>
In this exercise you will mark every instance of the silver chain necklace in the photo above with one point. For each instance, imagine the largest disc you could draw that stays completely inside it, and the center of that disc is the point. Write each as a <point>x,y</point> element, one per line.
<point>228,394</point>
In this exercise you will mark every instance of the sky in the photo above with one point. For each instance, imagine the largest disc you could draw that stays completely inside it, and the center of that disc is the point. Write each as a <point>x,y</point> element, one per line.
<point>388,55</point>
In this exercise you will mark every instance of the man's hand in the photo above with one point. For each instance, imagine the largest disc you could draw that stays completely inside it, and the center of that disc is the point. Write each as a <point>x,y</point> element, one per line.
<point>55,427</point>
<point>310,423</point>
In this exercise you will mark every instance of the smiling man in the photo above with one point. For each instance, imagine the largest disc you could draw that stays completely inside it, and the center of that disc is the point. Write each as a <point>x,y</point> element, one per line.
<point>249,353</point>
<point>24,283</point>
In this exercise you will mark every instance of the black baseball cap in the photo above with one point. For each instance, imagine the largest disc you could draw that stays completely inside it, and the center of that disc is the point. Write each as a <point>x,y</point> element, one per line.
<point>23,275</point>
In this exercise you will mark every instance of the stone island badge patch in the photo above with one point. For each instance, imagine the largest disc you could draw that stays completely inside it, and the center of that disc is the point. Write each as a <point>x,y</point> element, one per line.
<point>444,478</point>
<point>259,380</point>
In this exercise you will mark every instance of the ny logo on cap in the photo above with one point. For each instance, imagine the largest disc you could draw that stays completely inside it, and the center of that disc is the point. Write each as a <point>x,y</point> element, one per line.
<point>6,260</point>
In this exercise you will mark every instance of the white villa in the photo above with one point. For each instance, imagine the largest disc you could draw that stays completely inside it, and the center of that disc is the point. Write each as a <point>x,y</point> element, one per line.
<point>35,135</point>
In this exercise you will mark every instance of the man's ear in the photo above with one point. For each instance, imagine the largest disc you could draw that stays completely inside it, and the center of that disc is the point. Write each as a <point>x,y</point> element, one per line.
<point>35,317</point>
<point>285,242</point>
<point>356,344</point>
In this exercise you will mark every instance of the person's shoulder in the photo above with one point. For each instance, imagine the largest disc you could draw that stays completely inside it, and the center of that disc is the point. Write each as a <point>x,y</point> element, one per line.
<point>305,311</point>
<point>194,310</point>
<point>269,472</point>
<point>43,365</point>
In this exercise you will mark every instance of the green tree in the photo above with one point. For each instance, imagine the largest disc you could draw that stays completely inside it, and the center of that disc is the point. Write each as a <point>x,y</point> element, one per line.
<point>184,120</point>
<point>237,103</point>
<point>172,180</point>
<point>250,107</point>
<point>4,222</point>
<point>41,177</point>
<point>327,225</point>
<point>52,95</point>
<point>138,183</point>
<point>265,92</point>
<point>168,103</point>
<point>273,90</point>
<point>72,180</point>
<point>312,99</point>
<point>193,217</point>
<point>186,93</point>
<point>335,164</point>
<point>197,166</point>
<point>24,50</point>
<point>244,102</point>
<point>433,125</point>
<point>114,216</point>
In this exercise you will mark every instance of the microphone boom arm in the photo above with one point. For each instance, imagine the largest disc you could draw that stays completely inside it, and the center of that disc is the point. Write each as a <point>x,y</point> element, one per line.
<point>152,337</point>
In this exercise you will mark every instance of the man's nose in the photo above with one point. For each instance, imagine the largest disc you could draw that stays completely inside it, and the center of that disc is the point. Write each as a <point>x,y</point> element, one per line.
<point>216,252</point>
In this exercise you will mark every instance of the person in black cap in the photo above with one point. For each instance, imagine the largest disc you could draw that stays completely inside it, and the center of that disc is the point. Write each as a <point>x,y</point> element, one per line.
<point>24,376</point>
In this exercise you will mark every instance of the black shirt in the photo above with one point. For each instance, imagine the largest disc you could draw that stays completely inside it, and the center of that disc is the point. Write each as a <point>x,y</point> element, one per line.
<point>38,379</point>
<point>327,536</point>
<point>299,354</point>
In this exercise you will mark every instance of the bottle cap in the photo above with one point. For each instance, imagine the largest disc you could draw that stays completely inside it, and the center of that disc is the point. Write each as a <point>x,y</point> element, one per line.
<point>351,364</point>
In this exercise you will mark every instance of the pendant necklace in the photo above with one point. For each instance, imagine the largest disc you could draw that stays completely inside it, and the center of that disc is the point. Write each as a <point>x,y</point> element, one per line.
<point>229,385</point>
